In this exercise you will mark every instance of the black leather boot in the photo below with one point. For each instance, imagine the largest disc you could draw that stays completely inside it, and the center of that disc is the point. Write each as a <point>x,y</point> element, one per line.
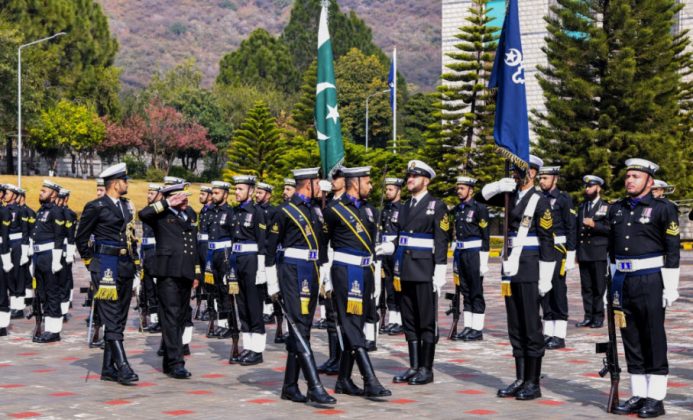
<point>632,406</point>
<point>511,390</point>
<point>316,392</point>
<point>652,408</point>
<point>371,384</point>
<point>425,373</point>
<point>413,363</point>
<point>279,334</point>
<point>126,375</point>
<point>108,370</point>
<point>344,383</point>
<point>530,390</point>
<point>290,390</point>
<point>331,366</point>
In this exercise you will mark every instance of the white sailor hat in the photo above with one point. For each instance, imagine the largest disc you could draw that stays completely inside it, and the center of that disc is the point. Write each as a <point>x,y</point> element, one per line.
<point>549,170</point>
<point>658,183</point>
<point>339,172</point>
<point>641,165</point>
<point>154,187</point>
<point>397,182</point>
<point>289,182</point>
<point>306,173</point>
<point>264,186</point>
<point>466,180</point>
<point>221,185</point>
<point>63,193</point>
<point>174,188</point>
<point>535,162</point>
<point>417,167</point>
<point>100,182</point>
<point>244,179</point>
<point>52,185</point>
<point>117,171</point>
<point>21,191</point>
<point>172,180</point>
<point>3,187</point>
<point>11,187</point>
<point>592,180</point>
<point>356,172</point>
<point>206,189</point>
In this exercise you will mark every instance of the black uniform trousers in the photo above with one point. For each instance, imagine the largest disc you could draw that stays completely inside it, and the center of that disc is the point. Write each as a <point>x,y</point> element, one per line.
<point>4,296</point>
<point>392,298</point>
<point>471,282</point>
<point>174,314</point>
<point>48,284</point>
<point>554,304</point>
<point>592,285</point>
<point>251,298</point>
<point>114,313</point>
<point>290,290</point>
<point>419,307</point>
<point>148,293</point>
<point>644,338</point>
<point>219,267</point>
<point>66,280</point>
<point>15,277</point>
<point>351,324</point>
<point>522,308</point>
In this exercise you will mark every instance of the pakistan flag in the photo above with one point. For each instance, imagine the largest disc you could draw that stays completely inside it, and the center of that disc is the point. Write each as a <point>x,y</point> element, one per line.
<point>327,124</point>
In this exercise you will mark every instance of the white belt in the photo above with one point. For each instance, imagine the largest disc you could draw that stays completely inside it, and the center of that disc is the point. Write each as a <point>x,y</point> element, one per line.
<point>219,245</point>
<point>244,248</point>
<point>148,241</point>
<point>559,240</point>
<point>389,238</point>
<point>43,247</point>
<point>416,242</point>
<point>345,258</point>
<point>18,235</point>
<point>468,244</point>
<point>202,236</point>
<point>529,241</point>
<point>301,254</point>
<point>629,266</point>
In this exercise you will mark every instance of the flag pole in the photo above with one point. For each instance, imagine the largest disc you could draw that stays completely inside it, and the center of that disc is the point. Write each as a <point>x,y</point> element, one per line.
<point>394,102</point>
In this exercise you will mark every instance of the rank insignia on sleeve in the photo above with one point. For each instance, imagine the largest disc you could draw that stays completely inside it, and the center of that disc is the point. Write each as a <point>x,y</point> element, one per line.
<point>546,222</point>
<point>673,229</point>
<point>445,223</point>
<point>275,228</point>
<point>483,223</point>
<point>573,212</point>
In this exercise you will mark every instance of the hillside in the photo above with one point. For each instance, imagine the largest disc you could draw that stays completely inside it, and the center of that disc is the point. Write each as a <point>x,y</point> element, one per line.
<point>156,34</point>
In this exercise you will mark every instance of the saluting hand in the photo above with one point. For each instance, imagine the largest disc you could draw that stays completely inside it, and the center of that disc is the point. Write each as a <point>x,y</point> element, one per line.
<point>177,199</point>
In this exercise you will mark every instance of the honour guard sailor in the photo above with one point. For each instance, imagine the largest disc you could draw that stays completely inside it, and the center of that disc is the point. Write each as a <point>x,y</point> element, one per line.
<point>298,229</point>
<point>6,255</point>
<point>593,235</point>
<point>66,279</point>
<point>391,298</point>
<point>420,270</point>
<point>471,250</point>
<point>527,273</point>
<point>19,249</point>
<point>148,297</point>
<point>644,252</point>
<point>555,303</point>
<point>289,189</point>
<point>30,216</point>
<point>205,198</point>
<point>113,258</point>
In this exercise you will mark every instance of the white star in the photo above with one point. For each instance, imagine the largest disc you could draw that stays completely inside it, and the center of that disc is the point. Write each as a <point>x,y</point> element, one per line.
<point>332,114</point>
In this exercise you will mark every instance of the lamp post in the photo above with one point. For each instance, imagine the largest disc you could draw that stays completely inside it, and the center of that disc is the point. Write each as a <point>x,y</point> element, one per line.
<point>368,98</point>
<point>19,101</point>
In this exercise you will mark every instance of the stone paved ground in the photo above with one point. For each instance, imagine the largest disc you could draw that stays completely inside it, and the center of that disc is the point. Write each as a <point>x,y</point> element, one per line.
<point>61,380</point>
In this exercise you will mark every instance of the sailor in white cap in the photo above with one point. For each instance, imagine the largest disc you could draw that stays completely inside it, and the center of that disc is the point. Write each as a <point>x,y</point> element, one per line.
<point>19,250</point>
<point>6,301</point>
<point>644,253</point>
<point>70,249</point>
<point>100,187</point>
<point>203,290</point>
<point>30,215</point>
<point>149,305</point>
<point>592,239</point>
<point>289,188</point>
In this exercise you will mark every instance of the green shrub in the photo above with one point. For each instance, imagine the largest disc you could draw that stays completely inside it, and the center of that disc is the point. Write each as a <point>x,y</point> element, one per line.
<point>137,169</point>
<point>154,175</point>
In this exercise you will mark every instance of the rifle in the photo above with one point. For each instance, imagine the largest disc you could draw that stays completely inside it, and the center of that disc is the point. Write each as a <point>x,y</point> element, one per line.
<point>141,313</point>
<point>37,314</point>
<point>610,348</point>
<point>378,238</point>
<point>233,319</point>
<point>279,316</point>
<point>293,328</point>
<point>454,299</point>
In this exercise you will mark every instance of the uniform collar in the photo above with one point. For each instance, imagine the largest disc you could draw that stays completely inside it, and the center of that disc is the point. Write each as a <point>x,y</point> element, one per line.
<point>644,200</point>
<point>467,203</point>
<point>553,193</point>
<point>298,198</point>
<point>353,200</point>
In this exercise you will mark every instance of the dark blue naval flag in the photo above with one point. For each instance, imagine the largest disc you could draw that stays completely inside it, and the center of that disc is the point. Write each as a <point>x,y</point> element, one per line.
<point>511,130</point>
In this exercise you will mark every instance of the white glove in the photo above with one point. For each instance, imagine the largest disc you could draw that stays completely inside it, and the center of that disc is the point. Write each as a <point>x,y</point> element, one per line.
<point>325,186</point>
<point>570,261</point>
<point>31,268</point>
<point>670,278</point>
<point>495,188</point>
<point>136,282</point>
<point>378,281</point>
<point>6,262</point>
<point>55,264</point>
<point>31,247</point>
<point>483,266</point>
<point>510,267</point>
<point>261,276</point>
<point>385,248</point>
<point>272,281</point>
<point>25,255</point>
<point>326,277</point>
<point>439,275</point>
<point>70,253</point>
<point>546,269</point>
<point>612,267</point>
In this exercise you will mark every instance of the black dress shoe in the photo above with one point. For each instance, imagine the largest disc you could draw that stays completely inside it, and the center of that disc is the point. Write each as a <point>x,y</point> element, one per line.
<point>109,375</point>
<point>385,328</point>
<point>17,314</point>
<point>422,377</point>
<point>528,391</point>
<point>179,373</point>
<point>547,338</point>
<point>186,350</point>
<point>462,334</point>
<point>268,319</point>
<point>279,339</point>
<point>226,334</point>
<point>292,393</point>
<point>584,323</point>
<point>160,352</point>
<point>321,325</point>
<point>652,408</point>
<point>396,330</point>
<point>3,332</point>
<point>237,359</point>
<point>474,335</point>
<point>154,328</point>
<point>632,406</point>
<point>371,346</point>
<point>98,343</point>
<point>511,390</point>
<point>48,337</point>
<point>204,316</point>
<point>555,343</point>
<point>251,358</point>
<point>597,324</point>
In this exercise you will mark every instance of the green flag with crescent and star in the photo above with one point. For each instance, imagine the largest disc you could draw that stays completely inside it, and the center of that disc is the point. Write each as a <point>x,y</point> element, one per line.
<point>327,123</point>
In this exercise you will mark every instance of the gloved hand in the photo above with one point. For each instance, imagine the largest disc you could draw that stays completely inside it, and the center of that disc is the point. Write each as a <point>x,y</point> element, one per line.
<point>272,282</point>
<point>570,261</point>
<point>483,264</point>
<point>378,280</point>
<point>439,274</point>
<point>31,247</point>
<point>31,268</point>
<point>510,267</point>
<point>495,188</point>
<point>385,248</point>
<point>70,256</point>
<point>55,264</point>
<point>612,268</point>
<point>670,278</point>
<point>261,276</point>
<point>25,255</point>
<point>7,262</point>
<point>325,186</point>
<point>546,269</point>
<point>136,282</point>
<point>326,278</point>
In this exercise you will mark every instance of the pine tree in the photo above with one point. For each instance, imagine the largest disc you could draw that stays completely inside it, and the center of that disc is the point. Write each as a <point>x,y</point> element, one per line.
<point>461,139</point>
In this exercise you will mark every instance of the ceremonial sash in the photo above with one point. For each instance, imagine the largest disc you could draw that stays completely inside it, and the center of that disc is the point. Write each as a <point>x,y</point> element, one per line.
<point>108,273</point>
<point>522,233</point>
<point>355,277</point>
<point>304,269</point>
<point>354,224</point>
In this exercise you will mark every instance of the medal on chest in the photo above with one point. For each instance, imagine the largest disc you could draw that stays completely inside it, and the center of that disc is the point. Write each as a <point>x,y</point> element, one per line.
<point>44,216</point>
<point>602,210</point>
<point>553,202</point>
<point>222,218</point>
<point>431,209</point>
<point>318,213</point>
<point>395,216</point>
<point>645,216</point>
<point>369,213</point>
<point>470,216</point>
<point>248,222</point>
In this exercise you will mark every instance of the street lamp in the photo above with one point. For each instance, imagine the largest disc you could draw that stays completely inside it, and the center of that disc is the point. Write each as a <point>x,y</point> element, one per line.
<point>19,101</point>
<point>368,98</point>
